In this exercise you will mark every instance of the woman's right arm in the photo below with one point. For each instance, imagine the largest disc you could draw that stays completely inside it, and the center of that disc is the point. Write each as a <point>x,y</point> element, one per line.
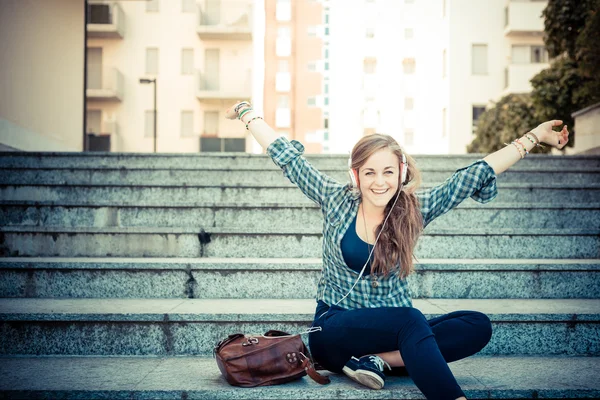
<point>288,156</point>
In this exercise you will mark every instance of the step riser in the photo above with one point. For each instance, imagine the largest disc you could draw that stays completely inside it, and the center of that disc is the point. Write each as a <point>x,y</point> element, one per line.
<point>297,217</point>
<point>250,284</point>
<point>15,244</point>
<point>254,178</point>
<point>199,338</point>
<point>246,161</point>
<point>162,196</point>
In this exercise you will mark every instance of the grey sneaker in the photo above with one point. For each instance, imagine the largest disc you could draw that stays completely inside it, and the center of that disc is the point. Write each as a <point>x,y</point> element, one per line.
<point>367,370</point>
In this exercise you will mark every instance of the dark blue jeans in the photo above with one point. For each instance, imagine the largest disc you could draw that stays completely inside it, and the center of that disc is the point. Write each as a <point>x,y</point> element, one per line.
<point>425,346</point>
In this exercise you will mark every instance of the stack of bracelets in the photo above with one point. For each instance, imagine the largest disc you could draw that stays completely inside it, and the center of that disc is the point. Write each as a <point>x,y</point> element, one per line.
<point>244,108</point>
<point>523,152</point>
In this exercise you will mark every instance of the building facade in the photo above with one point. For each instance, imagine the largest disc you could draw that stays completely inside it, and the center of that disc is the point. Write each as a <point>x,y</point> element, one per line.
<point>196,56</point>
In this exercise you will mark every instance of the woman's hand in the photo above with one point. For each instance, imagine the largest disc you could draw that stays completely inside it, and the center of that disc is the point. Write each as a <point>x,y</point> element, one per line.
<point>546,134</point>
<point>233,111</point>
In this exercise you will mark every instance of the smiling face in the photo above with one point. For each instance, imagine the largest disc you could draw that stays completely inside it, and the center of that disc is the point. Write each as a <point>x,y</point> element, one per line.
<point>379,178</point>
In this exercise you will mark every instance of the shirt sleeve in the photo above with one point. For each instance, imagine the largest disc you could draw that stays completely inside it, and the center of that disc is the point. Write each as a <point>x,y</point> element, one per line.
<point>314,184</point>
<point>477,180</point>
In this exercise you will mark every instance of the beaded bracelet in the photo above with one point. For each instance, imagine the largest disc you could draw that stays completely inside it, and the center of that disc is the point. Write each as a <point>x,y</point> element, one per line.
<point>518,149</point>
<point>243,103</point>
<point>536,142</point>
<point>524,148</point>
<point>252,120</point>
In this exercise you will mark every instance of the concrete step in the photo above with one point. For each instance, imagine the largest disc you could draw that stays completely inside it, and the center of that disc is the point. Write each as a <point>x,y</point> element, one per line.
<point>193,326</point>
<point>223,161</point>
<point>286,193</point>
<point>480,377</point>
<point>301,216</point>
<point>256,177</point>
<point>279,242</point>
<point>247,278</point>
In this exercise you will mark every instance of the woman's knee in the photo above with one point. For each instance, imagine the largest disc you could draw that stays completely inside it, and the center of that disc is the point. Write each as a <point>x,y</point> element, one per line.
<point>483,326</point>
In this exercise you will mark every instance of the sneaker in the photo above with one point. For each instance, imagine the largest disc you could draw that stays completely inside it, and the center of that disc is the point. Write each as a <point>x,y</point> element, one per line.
<point>367,370</point>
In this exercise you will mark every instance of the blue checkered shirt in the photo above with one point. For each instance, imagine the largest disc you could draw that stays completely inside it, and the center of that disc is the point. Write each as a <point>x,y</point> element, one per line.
<point>340,206</point>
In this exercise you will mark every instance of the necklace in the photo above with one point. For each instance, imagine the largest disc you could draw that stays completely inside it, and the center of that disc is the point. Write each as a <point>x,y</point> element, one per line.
<point>374,282</point>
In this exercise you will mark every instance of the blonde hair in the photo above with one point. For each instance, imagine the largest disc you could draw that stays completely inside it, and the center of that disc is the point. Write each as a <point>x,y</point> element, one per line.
<point>405,224</point>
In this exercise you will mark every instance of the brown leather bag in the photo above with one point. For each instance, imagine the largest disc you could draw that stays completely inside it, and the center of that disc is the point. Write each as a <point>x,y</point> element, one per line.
<point>261,360</point>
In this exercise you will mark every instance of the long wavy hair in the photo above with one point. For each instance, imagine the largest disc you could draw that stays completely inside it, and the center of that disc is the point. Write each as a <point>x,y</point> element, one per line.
<point>405,224</point>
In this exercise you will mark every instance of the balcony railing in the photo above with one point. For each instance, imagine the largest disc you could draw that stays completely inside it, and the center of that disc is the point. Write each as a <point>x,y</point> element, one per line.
<point>104,83</point>
<point>212,88</point>
<point>524,17</point>
<point>105,20</point>
<point>224,20</point>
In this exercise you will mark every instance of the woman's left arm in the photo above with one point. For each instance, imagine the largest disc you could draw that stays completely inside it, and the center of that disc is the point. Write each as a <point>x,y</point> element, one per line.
<point>503,159</point>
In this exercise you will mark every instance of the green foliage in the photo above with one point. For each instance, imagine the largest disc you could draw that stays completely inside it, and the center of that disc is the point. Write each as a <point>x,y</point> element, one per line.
<point>510,118</point>
<point>588,44</point>
<point>564,20</point>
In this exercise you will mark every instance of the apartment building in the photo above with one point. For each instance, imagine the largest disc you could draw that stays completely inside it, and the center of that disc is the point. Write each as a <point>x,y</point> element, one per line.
<point>295,66</point>
<point>188,60</point>
<point>423,71</point>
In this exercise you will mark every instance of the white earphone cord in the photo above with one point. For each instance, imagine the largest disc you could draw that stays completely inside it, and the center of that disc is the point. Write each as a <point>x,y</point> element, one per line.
<point>370,253</point>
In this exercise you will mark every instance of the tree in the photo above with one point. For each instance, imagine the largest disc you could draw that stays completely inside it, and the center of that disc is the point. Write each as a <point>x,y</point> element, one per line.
<point>509,119</point>
<point>564,20</point>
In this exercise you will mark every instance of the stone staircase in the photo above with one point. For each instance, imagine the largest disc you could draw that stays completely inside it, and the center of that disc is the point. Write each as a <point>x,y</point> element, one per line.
<point>119,273</point>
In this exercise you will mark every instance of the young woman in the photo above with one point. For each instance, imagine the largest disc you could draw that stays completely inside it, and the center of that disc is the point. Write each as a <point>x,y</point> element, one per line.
<point>370,232</point>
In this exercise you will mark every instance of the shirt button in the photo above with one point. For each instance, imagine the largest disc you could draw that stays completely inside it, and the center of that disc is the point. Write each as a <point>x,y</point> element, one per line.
<point>375,284</point>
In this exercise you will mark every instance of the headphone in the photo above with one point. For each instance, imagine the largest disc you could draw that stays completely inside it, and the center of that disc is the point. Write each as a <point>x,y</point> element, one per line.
<point>353,173</point>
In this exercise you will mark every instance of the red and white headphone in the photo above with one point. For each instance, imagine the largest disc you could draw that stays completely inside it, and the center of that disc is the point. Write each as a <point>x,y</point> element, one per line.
<point>354,180</point>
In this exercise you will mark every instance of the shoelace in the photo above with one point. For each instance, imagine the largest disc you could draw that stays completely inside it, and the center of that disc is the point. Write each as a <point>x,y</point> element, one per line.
<point>379,362</point>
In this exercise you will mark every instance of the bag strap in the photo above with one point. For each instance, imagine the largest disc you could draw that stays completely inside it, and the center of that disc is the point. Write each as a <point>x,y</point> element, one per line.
<point>308,366</point>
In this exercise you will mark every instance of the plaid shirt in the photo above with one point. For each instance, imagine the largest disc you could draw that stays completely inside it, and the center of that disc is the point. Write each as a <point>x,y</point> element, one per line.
<point>340,206</point>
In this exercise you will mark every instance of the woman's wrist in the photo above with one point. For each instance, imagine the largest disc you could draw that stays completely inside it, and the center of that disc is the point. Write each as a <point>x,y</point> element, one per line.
<point>247,116</point>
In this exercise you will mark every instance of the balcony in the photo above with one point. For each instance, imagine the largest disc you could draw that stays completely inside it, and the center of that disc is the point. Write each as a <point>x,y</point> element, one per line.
<point>214,89</point>
<point>218,20</point>
<point>517,77</point>
<point>104,83</point>
<point>105,20</point>
<point>524,18</point>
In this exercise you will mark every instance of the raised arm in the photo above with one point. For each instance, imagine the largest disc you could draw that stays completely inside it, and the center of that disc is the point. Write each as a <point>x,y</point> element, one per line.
<point>506,157</point>
<point>288,156</point>
<point>262,132</point>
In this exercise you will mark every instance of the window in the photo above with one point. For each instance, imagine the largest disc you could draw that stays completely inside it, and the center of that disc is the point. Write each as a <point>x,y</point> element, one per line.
<point>479,59</point>
<point>149,124</point>
<point>188,6</point>
<point>152,61</point>
<point>370,33</point>
<point>409,137</point>
<point>443,8</point>
<point>312,30</point>
<point>326,88</point>
<point>408,103</point>
<point>326,123</point>
<point>283,101</point>
<point>215,145</point>
<point>283,10</point>
<point>408,66</point>
<point>409,33</point>
<point>477,111</point>
<point>525,54</point>
<point>187,123</point>
<point>311,101</point>
<point>283,43</point>
<point>369,65</point>
<point>187,61</point>
<point>312,66</point>
<point>152,5</point>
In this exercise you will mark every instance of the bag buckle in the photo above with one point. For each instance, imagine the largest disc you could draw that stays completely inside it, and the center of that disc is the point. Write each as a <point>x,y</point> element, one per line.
<point>251,340</point>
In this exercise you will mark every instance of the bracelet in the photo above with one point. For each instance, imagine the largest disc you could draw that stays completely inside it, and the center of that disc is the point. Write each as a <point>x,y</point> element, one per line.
<point>518,149</point>
<point>521,143</point>
<point>252,120</point>
<point>243,103</point>
<point>244,111</point>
